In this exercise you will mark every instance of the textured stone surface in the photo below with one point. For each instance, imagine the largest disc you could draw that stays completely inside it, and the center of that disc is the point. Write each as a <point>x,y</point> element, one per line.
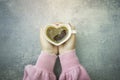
<point>98,34</point>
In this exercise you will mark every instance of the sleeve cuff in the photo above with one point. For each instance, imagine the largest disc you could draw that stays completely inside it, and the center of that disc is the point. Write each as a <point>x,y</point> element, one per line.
<point>46,61</point>
<point>68,59</point>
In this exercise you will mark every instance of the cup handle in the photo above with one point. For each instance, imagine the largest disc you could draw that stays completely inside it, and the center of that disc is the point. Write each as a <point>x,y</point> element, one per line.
<point>73,32</point>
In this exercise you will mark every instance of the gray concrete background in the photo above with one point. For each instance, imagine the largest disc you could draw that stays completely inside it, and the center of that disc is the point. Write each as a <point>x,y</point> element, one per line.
<point>98,37</point>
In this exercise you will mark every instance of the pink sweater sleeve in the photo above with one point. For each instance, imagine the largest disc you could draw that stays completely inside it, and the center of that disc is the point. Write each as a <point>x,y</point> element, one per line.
<point>71,68</point>
<point>42,70</point>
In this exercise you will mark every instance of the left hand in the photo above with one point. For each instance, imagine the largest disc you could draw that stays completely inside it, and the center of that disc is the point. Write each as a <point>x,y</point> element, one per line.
<point>69,44</point>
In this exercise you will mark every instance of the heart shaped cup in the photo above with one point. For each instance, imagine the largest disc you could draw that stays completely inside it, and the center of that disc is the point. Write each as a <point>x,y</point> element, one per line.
<point>64,39</point>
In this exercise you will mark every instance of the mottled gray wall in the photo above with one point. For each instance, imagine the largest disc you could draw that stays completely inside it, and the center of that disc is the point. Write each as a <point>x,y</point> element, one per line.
<point>98,37</point>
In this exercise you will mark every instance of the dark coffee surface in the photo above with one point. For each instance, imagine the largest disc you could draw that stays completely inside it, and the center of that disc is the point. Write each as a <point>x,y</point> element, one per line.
<point>60,36</point>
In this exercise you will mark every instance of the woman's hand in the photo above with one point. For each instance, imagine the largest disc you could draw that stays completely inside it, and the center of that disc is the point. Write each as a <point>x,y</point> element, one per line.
<point>46,46</point>
<point>70,44</point>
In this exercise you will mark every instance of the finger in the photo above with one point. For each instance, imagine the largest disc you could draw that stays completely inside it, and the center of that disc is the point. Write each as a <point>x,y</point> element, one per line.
<point>41,32</point>
<point>42,38</point>
<point>73,36</point>
<point>41,35</point>
<point>72,39</point>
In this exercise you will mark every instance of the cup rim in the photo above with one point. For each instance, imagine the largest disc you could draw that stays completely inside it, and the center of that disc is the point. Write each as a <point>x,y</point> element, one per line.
<point>67,37</point>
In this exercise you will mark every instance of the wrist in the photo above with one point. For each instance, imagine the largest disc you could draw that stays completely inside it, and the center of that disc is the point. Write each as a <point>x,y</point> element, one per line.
<point>50,51</point>
<point>66,51</point>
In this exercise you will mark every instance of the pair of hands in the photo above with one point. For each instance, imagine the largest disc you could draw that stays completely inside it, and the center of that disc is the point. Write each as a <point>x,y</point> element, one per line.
<point>52,49</point>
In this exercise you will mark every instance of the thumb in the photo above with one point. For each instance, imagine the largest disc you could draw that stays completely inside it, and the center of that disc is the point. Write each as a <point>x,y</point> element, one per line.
<point>72,39</point>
